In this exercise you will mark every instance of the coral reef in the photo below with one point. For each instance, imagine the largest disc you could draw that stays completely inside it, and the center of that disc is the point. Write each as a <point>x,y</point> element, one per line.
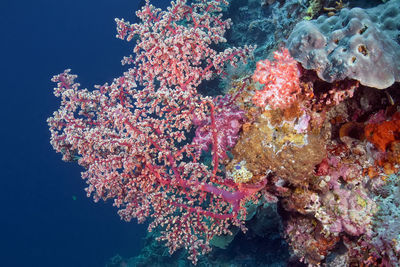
<point>266,24</point>
<point>326,156</point>
<point>297,163</point>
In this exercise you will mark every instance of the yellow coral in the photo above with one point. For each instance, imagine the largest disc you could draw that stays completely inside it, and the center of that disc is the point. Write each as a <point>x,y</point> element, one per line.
<point>240,174</point>
<point>362,202</point>
<point>314,7</point>
<point>281,135</point>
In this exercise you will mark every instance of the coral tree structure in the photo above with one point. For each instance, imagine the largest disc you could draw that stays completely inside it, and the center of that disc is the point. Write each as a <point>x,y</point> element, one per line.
<point>132,141</point>
<point>301,136</point>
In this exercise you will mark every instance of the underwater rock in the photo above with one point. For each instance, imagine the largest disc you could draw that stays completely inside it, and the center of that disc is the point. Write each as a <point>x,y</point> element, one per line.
<point>278,147</point>
<point>360,44</point>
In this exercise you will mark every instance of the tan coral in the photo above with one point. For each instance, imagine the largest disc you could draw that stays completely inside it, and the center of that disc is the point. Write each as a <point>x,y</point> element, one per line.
<point>275,147</point>
<point>298,200</point>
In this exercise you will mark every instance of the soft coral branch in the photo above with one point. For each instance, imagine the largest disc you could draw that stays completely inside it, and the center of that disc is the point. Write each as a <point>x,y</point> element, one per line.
<point>280,80</point>
<point>133,142</point>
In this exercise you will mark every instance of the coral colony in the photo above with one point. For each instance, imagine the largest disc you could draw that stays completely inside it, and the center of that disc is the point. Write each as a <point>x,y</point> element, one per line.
<point>315,130</point>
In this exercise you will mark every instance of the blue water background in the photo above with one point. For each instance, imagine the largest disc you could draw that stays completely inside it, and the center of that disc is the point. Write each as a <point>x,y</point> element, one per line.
<point>46,218</point>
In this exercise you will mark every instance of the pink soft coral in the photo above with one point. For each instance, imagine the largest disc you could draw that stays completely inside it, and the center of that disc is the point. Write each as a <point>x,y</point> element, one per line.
<point>281,80</point>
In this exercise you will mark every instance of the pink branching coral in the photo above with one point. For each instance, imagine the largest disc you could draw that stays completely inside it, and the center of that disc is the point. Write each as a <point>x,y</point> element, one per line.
<point>132,142</point>
<point>174,45</point>
<point>280,79</point>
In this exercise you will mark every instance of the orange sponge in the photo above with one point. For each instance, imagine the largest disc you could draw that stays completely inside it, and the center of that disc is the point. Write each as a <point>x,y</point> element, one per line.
<point>382,134</point>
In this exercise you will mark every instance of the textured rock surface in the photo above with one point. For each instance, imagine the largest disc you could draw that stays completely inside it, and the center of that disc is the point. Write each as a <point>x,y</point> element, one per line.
<point>360,44</point>
<point>267,147</point>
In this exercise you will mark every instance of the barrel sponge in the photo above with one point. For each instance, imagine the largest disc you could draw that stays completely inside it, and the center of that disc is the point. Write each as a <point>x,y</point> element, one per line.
<point>360,44</point>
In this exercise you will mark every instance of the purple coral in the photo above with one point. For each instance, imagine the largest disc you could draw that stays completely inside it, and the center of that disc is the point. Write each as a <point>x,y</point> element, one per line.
<point>353,211</point>
<point>228,121</point>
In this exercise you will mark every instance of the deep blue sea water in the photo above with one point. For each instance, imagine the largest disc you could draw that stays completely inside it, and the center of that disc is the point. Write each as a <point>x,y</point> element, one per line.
<point>46,218</point>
